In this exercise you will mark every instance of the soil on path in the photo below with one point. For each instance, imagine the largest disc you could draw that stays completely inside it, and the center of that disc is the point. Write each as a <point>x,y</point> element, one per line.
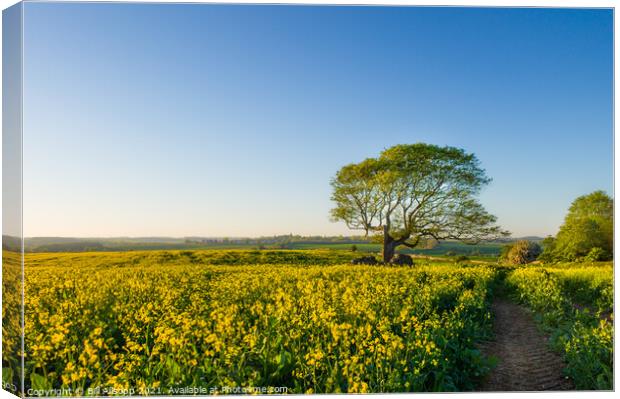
<point>524,360</point>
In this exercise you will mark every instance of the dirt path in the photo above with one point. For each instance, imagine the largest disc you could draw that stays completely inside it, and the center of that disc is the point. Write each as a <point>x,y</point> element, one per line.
<point>524,360</point>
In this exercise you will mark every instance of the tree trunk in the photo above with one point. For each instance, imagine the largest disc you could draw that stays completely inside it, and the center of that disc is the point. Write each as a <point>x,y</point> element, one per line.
<point>389,246</point>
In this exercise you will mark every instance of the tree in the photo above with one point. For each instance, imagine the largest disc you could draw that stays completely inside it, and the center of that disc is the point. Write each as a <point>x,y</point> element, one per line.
<point>522,252</point>
<point>413,193</point>
<point>548,247</point>
<point>588,225</point>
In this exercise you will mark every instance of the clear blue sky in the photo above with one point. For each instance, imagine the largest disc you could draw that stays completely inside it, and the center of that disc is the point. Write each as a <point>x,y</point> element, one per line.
<point>214,120</point>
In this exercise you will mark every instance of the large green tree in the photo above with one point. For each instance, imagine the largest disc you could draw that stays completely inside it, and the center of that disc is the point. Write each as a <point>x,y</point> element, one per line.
<point>413,193</point>
<point>588,226</point>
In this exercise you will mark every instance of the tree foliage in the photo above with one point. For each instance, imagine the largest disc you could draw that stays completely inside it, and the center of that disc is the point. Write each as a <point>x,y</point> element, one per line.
<point>522,252</point>
<point>414,193</point>
<point>587,230</point>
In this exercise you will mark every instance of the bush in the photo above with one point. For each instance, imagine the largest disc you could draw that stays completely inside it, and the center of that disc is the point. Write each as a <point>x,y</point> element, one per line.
<point>523,252</point>
<point>365,260</point>
<point>402,259</point>
<point>548,253</point>
<point>596,254</point>
<point>503,255</point>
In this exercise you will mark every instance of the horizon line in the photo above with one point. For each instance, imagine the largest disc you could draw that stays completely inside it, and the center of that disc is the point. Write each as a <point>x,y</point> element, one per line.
<point>231,237</point>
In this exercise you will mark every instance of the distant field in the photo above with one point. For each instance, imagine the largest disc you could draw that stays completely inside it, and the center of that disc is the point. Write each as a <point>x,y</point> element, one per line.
<point>443,248</point>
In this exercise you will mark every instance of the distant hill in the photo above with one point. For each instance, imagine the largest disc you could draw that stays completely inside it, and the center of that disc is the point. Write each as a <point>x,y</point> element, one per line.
<point>528,238</point>
<point>11,243</point>
<point>76,244</point>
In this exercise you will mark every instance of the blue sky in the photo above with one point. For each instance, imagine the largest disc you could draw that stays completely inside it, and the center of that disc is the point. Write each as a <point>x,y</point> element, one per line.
<point>213,120</point>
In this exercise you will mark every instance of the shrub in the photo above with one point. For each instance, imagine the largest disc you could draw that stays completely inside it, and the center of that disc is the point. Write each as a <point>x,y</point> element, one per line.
<point>596,254</point>
<point>548,253</point>
<point>523,252</point>
<point>503,255</point>
<point>365,260</point>
<point>402,259</point>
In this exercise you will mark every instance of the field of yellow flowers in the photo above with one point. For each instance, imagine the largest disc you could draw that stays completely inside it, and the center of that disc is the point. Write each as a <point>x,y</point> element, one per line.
<point>574,303</point>
<point>205,322</point>
<point>11,321</point>
<point>161,322</point>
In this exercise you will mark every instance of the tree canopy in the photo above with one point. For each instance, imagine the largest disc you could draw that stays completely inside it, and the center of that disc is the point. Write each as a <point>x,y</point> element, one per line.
<point>414,192</point>
<point>588,226</point>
